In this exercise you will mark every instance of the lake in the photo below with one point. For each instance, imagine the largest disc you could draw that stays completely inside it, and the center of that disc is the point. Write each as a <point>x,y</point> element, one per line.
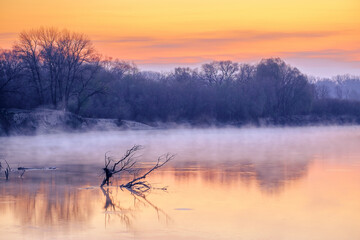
<point>226,183</point>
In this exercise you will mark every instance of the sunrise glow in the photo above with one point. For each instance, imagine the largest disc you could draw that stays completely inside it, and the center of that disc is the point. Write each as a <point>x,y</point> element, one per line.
<point>162,33</point>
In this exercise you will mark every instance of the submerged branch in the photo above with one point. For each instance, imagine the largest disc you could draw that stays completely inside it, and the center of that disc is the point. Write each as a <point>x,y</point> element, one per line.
<point>138,186</point>
<point>126,163</point>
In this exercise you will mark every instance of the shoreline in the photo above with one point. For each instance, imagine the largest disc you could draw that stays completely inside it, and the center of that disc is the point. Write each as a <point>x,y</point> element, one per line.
<point>47,121</point>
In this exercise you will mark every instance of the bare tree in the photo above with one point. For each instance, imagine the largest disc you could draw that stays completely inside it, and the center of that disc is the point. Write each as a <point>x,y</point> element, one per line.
<point>56,61</point>
<point>182,74</point>
<point>219,72</point>
<point>293,92</point>
<point>120,68</point>
<point>246,73</point>
<point>322,91</point>
<point>77,51</point>
<point>51,59</point>
<point>29,50</point>
<point>88,85</point>
<point>10,71</point>
<point>281,88</point>
<point>339,91</point>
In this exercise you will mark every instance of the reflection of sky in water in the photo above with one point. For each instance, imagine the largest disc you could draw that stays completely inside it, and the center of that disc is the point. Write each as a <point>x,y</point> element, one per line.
<point>300,183</point>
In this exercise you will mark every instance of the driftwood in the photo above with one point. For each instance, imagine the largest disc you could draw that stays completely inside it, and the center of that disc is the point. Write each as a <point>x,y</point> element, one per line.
<point>22,170</point>
<point>139,186</point>
<point>125,164</point>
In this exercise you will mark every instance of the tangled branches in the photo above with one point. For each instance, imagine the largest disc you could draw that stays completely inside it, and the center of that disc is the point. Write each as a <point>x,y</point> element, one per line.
<point>139,186</point>
<point>123,165</point>
<point>127,163</point>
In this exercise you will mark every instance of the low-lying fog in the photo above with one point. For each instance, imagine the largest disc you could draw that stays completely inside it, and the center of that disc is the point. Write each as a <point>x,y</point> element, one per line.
<point>190,145</point>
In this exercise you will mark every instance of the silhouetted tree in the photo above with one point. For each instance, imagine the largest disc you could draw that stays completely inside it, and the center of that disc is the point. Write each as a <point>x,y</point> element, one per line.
<point>219,72</point>
<point>283,90</point>
<point>61,69</point>
<point>11,73</point>
<point>55,61</point>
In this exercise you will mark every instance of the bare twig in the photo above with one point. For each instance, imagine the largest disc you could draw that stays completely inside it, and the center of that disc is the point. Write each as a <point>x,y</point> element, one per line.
<point>126,163</point>
<point>143,185</point>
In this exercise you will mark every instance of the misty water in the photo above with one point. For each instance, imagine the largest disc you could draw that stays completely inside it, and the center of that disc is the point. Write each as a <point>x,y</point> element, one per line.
<point>227,183</point>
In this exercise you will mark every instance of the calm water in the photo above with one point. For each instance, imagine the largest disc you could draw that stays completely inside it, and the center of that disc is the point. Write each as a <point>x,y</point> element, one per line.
<point>270,183</point>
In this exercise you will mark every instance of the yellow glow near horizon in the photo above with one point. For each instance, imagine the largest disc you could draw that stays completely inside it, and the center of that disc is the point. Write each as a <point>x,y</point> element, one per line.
<point>188,31</point>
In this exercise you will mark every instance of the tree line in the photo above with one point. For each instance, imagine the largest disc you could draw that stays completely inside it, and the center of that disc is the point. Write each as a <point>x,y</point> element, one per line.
<point>55,69</point>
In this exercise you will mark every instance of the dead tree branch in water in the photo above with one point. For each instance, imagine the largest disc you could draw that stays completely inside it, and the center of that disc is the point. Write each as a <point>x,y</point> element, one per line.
<point>124,164</point>
<point>139,187</point>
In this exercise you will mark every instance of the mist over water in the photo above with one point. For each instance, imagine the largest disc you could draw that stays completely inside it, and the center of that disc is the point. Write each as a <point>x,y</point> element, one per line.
<point>191,145</point>
<point>298,179</point>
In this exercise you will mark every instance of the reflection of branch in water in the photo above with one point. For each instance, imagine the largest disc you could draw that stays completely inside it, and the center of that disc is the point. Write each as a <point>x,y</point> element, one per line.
<point>158,210</point>
<point>108,201</point>
<point>127,215</point>
<point>115,209</point>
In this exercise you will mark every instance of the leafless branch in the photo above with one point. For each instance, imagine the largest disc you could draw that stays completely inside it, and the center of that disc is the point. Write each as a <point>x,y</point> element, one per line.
<point>143,185</point>
<point>125,164</point>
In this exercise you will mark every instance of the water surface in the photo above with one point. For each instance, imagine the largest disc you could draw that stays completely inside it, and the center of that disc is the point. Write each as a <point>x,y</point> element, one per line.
<point>251,183</point>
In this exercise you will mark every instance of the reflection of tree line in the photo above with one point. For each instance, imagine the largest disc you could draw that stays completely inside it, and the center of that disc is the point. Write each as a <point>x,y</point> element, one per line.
<point>46,204</point>
<point>50,201</point>
<point>271,177</point>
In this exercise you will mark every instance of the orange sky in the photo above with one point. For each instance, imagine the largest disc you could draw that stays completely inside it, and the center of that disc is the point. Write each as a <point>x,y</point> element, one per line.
<point>320,37</point>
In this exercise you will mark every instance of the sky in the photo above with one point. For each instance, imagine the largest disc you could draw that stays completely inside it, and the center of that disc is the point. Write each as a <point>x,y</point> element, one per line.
<point>321,38</point>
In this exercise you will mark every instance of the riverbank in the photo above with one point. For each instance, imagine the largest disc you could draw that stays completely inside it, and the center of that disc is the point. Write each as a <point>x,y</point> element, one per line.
<point>45,121</point>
